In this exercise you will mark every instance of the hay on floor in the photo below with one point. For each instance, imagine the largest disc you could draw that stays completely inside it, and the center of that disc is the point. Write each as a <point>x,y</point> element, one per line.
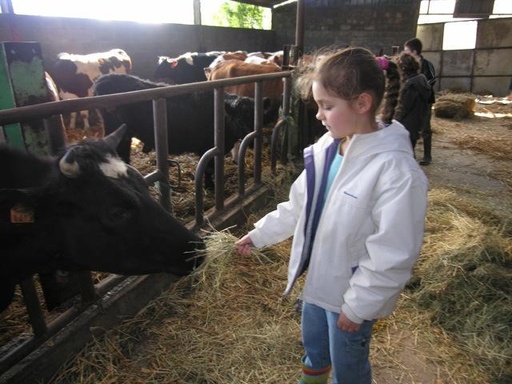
<point>464,279</point>
<point>225,323</point>
<point>455,105</point>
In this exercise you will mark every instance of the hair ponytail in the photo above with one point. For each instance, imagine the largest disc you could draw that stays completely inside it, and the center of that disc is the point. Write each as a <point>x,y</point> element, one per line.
<point>392,89</point>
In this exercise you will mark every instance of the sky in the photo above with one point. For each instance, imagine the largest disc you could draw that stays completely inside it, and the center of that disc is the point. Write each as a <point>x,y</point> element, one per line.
<point>158,11</point>
<point>152,11</point>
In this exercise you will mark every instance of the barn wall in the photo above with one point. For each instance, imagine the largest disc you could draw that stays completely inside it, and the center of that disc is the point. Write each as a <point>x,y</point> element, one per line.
<point>485,69</point>
<point>382,24</point>
<point>143,42</point>
<point>375,24</point>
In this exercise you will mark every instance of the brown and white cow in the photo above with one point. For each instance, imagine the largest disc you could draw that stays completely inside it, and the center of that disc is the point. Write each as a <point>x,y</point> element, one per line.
<point>275,58</point>
<point>273,89</point>
<point>225,56</point>
<point>74,74</point>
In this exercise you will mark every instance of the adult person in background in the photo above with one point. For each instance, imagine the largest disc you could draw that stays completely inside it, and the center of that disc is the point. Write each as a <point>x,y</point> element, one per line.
<point>414,96</point>
<point>414,46</point>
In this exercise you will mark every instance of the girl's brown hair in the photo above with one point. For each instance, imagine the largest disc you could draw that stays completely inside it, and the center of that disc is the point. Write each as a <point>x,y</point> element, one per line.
<point>349,72</point>
<point>408,64</point>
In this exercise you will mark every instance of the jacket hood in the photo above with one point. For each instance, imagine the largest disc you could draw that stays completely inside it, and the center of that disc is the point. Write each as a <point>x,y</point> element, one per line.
<point>388,138</point>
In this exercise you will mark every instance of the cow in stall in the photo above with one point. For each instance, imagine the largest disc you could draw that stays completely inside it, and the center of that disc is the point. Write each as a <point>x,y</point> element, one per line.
<point>190,119</point>
<point>273,89</point>
<point>74,75</point>
<point>184,69</point>
<point>225,56</point>
<point>84,210</point>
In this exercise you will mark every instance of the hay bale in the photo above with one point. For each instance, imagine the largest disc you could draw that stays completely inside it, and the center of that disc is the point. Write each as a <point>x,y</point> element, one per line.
<point>455,106</point>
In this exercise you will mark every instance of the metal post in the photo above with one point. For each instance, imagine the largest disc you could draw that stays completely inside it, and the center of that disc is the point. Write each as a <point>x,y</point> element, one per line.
<point>162,152</point>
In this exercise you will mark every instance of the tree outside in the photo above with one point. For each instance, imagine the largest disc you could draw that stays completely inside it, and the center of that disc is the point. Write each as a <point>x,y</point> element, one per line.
<point>240,15</point>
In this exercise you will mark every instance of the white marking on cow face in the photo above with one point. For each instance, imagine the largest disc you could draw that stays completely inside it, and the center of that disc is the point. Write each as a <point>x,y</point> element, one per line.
<point>114,168</point>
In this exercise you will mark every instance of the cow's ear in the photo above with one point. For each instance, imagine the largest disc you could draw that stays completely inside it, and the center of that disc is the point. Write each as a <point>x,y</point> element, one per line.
<point>115,137</point>
<point>173,63</point>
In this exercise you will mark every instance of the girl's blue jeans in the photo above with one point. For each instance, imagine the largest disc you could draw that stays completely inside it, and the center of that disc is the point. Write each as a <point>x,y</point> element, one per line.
<point>325,344</point>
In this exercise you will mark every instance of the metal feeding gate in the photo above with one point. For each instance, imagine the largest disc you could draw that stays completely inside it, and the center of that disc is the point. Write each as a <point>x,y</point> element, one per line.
<point>28,121</point>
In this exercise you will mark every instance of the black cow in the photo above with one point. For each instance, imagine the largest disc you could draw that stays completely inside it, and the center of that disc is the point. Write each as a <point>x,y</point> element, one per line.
<point>190,118</point>
<point>184,69</point>
<point>84,210</point>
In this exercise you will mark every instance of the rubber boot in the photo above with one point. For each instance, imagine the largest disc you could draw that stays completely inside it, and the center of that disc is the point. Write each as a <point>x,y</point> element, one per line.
<point>314,376</point>
<point>427,151</point>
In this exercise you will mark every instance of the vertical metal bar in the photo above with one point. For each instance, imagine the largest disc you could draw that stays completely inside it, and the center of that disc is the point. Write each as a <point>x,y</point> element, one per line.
<point>287,86</point>
<point>56,134</point>
<point>35,314</point>
<point>286,57</point>
<point>289,149</point>
<point>303,138</point>
<point>162,151</point>
<point>299,28</point>
<point>219,144</point>
<point>258,127</point>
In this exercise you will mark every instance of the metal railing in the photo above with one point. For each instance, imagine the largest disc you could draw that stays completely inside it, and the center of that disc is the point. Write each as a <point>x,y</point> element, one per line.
<point>16,350</point>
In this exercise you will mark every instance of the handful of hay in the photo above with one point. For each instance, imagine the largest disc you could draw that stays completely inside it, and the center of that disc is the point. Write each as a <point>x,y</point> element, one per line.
<point>221,259</point>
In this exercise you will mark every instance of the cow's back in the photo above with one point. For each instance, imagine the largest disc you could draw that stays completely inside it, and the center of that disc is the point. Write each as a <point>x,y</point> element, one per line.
<point>236,68</point>
<point>190,116</point>
<point>185,69</point>
<point>75,73</point>
<point>273,89</point>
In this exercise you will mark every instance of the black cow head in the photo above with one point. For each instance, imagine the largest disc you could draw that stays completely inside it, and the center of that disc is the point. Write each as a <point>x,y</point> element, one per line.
<point>91,212</point>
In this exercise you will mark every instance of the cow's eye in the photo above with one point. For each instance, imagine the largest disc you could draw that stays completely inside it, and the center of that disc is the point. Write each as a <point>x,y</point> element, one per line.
<point>117,215</point>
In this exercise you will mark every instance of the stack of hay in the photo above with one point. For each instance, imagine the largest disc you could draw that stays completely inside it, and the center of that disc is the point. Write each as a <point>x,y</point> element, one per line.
<point>455,105</point>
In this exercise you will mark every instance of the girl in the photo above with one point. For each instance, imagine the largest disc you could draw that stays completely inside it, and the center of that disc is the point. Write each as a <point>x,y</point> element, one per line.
<point>413,103</point>
<point>356,212</point>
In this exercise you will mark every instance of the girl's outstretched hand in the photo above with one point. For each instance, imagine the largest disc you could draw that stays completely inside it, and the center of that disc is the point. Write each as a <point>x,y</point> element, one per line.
<point>244,245</point>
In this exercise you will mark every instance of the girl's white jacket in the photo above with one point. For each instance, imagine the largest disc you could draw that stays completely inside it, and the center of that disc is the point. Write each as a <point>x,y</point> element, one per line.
<point>370,231</point>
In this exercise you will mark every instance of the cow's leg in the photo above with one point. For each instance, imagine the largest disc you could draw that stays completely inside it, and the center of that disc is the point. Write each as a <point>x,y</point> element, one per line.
<point>100,130</point>
<point>235,150</point>
<point>85,118</point>
<point>97,128</point>
<point>72,120</point>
